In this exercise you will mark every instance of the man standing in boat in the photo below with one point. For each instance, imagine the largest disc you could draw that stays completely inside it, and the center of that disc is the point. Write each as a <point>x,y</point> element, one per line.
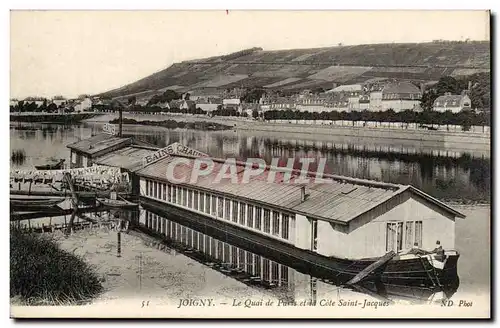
<point>439,251</point>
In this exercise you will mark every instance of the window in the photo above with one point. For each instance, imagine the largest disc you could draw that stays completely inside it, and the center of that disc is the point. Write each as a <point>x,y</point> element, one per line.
<point>226,258</point>
<point>235,211</point>
<point>190,198</point>
<point>242,213</point>
<point>202,202</point>
<point>409,229</point>
<point>250,216</point>
<point>394,241</point>
<point>174,194</point>
<point>184,196</point>
<point>241,258</point>
<point>274,272</point>
<point>164,192</point>
<point>265,269</point>
<point>258,217</point>
<point>155,189</point>
<point>220,206</point>
<point>234,255</point>
<point>284,275</point>
<point>227,212</point>
<point>418,233</point>
<point>150,193</point>
<point>284,226</point>
<point>314,227</point>
<point>160,196</point>
<point>249,262</point>
<point>276,223</point>
<point>169,195</point>
<point>267,220</point>
<point>258,265</point>
<point>220,250</point>
<point>207,204</point>
<point>195,200</point>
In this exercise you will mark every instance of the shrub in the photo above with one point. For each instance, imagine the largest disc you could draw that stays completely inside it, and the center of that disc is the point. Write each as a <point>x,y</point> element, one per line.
<point>43,274</point>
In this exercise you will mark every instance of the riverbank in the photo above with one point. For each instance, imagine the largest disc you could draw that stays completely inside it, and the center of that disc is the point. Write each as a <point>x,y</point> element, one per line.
<point>425,138</point>
<point>173,124</point>
<point>145,274</point>
<point>66,118</point>
<point>162,277</point>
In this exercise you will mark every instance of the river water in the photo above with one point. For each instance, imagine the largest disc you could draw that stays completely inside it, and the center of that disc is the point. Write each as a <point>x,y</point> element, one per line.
<point>449,175</point>
<point>457,175</point>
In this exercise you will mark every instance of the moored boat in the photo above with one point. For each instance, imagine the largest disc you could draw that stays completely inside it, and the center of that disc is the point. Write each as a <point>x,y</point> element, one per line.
<point>116,203</point>
<point>34,202</point>
<point>51,166</point>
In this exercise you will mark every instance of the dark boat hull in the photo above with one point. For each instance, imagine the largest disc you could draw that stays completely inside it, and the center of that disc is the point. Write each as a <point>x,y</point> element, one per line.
<point>55,166</point>
<point>30,203</point>
<point>404,272</point>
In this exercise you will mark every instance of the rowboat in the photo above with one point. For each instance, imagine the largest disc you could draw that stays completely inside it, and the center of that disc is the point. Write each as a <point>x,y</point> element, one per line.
<point>53,166</point>
<point>116,203</point>
<point>34,202</point>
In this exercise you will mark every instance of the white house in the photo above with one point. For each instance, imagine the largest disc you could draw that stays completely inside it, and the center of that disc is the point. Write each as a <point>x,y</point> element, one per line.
<point>454,103</point>
<point>83,105</point>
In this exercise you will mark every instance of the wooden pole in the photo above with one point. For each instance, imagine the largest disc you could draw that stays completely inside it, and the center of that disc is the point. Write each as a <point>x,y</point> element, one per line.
<point>119,248</point>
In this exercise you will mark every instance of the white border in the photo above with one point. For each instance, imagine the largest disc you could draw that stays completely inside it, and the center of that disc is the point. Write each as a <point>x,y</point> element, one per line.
<point>187,4</point>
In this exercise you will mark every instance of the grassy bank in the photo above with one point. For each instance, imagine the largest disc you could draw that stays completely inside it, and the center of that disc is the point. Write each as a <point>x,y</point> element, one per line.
<point>43,274</point>
<point>173,124</point>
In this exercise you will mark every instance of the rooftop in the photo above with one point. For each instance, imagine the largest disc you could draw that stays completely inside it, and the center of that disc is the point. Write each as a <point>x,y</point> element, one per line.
<point>346,88</point>
<point>401,87</point>
<point>98,143</point>
<point>448,100</point>
<point>128,158</point>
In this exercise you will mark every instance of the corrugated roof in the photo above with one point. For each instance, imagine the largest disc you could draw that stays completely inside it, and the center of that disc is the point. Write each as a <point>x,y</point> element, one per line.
<point>448,100</point>
<point>98,143</point>
<point>346,88</point>
<point>128,158</point>
<point>340,201</point>
<point>401,87</point>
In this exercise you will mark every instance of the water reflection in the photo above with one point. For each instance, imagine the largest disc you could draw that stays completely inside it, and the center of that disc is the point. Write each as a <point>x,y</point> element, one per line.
<point>443,173</point>
<point>286,280</point>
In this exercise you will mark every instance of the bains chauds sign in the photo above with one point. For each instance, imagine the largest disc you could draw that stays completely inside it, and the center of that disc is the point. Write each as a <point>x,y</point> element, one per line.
<point>173,149</point>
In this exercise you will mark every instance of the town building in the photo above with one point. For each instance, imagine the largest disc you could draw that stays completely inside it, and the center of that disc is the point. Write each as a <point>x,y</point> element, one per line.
<point>84,152</point>
<point>400,96</point>
<point>83,105</point>
<point>453,103</point>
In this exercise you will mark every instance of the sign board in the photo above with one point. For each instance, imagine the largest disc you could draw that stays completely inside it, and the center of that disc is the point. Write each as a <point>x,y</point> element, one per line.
<point>180,149</point>
<point>173,149</point>
<point>156,156</point>
<point>109,129</point>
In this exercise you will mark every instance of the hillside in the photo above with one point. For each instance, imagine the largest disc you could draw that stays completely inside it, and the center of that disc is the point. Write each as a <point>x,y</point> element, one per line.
<point>311,68</point>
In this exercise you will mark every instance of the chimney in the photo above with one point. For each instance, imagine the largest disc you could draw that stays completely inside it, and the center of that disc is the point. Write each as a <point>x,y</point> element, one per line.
<point>303,194</point>
<point>422,88</point>
<point>469,88</point>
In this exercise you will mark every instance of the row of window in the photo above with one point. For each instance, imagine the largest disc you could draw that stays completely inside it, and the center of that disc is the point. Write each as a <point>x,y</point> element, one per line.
<point>403,234</point>
<point>231,255</point>
<point>268,221</point>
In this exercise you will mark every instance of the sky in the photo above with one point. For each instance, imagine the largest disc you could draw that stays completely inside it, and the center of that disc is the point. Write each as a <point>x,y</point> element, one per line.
<point>74,52</point>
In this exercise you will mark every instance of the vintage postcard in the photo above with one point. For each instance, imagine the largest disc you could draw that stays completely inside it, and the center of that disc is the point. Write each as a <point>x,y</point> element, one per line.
<point>250,164</point>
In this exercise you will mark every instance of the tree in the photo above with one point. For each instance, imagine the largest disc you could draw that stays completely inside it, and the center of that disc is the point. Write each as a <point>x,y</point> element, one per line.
<point>132,100</point>
<point>255,114</point>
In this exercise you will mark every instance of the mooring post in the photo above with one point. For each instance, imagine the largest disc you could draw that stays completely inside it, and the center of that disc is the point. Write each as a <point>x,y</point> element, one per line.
<point>119,248</point>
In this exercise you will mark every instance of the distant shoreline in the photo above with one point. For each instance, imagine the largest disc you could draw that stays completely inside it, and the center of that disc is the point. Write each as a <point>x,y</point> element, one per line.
<point>458,139</point>
<point>66,118</point>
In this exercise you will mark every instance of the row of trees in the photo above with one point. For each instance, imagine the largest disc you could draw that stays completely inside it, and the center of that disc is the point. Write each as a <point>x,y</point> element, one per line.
<point>157,109</point>
<point>464,118</point>
<point>22,106</point>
